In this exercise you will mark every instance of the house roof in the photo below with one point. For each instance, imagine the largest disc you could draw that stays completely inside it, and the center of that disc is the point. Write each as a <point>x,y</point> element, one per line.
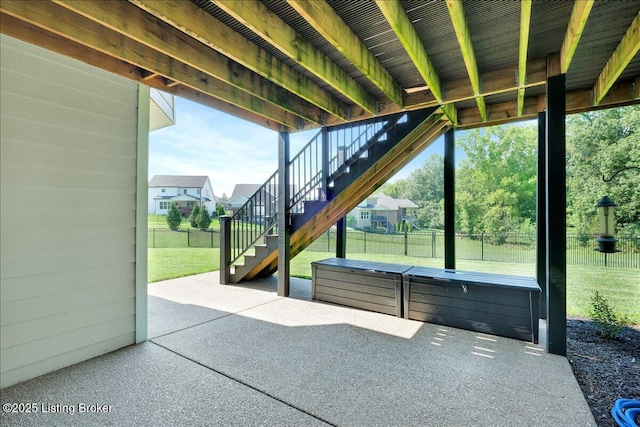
<point>246,190</point>
<point>178,181</point>
<point>388,203</point>
<point>303,64</point>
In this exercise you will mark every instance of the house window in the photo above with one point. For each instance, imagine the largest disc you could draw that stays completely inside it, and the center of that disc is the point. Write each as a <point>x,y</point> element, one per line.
<point>364,215</point>
<point>184,191</point>
<point>162,191</point>
<point>198,191</point>
<point>164,205</point>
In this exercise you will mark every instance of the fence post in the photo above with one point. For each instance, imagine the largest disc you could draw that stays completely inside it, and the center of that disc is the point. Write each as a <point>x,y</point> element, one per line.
<point>365,241</point>
<point>482,246</point>
<point>212,238</point>
<point>406,244</point>
<point>225,249</point>
<point>433,244</point>
<point>188,238</point>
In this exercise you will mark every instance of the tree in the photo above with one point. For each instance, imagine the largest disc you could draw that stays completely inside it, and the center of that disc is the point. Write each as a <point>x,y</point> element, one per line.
<point>193,217</point>
<point>174,218</point>
<point>424,187</point>
<point>219,210</point>
<point>600,143</point>
<point>204,220</point>
<point>496,182</point>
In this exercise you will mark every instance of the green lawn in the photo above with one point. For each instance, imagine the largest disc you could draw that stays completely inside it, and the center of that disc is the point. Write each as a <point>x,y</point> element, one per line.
<point>621,287</point>
<point>169,263</point>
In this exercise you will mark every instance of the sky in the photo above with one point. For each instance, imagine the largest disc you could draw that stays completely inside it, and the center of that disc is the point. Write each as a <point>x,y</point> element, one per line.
<point>230,151</point>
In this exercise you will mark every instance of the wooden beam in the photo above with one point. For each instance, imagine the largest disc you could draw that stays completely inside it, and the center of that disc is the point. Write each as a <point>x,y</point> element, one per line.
<point>323,18</point>
<point>29,33</point>
<point>624,53</point>
<point>500,113</point>
<point>577,101</point>
<point>466,47</point>
<point>142,27</point>
<point>257,17</point>
<point>203,27</point>
<point>408,36</point>
<point>620,94</point>
<point>495,82</point>
<point>525,22</point>
<point>577,22</point>
<point>80,30</point>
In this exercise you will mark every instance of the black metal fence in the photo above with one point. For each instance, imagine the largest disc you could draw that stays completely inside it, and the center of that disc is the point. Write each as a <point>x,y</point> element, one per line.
<point>187,238</point>
<point>511,247</point>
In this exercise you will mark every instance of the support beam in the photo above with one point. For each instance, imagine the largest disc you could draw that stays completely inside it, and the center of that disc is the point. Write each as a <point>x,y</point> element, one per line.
<point>466,47</point>
<point>225,250</point>
<point>449,199</point>
<point>74,31</point>
<point>325,163</point>
<point>541,214</point>
<point>134,23</point>
<point>577,22</point>
<point>525,22</point>
<point>624,53</point>
<point>284,237</point>
<point>556,217</point>
<point>321,16</point>
<point>341,238</point>
<point>408,36</point>
<point>203,27</point>
<point>257,17</point>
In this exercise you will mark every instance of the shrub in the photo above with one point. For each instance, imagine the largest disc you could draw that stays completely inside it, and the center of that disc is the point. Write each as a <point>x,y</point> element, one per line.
<point>609,325</point>
<point>174,218</point>
<point>193,217</point>
<point>203,218</point>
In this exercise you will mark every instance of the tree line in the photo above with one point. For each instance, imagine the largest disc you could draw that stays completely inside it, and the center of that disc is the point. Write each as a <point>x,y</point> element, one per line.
<point>496,180</point>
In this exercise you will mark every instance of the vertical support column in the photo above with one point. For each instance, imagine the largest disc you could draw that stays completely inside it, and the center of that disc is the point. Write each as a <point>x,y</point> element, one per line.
<point>284,246</point>
<point>541,215</point>
<point>449,200</point>
<point>225,250</point>
<point>325,161</point>
<point>142,229</point>
<point>556,217</point>
<point>341,238</point>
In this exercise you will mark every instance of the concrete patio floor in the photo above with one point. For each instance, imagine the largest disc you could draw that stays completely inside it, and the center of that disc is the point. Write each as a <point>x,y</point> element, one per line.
<point>241,355</point>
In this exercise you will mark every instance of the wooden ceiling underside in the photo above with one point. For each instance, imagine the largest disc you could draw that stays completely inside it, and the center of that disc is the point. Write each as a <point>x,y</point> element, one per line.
<point>303,64</point>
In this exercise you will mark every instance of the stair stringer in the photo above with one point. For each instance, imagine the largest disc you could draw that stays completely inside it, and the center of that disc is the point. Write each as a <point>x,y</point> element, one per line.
<point>363,186</point>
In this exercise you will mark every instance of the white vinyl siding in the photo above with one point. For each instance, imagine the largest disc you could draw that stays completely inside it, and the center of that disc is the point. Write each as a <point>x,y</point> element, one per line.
<point>68,211</point>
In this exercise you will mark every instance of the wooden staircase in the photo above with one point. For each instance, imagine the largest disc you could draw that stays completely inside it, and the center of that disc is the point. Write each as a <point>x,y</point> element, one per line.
<point>354,180</point>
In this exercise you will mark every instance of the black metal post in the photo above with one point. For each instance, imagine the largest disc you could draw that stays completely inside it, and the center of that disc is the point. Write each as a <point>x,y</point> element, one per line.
<point>341,238</point>
<point>225,250</point>
<point>541,215</point>
<point>284,238</point>
<point>449,200</point>
<point>325,161</point>
<point>556,217</point>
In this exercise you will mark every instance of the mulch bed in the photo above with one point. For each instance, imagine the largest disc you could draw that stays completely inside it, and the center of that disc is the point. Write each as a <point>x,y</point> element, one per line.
<point>605,369</point>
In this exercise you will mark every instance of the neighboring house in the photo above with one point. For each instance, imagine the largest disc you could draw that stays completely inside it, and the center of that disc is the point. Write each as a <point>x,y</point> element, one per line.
<point>243,192</point>
<point>380,211</point>
<point>185,191</point>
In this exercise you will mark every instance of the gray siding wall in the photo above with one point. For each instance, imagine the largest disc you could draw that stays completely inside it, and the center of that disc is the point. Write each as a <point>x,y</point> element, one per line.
<point>68,211</point>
